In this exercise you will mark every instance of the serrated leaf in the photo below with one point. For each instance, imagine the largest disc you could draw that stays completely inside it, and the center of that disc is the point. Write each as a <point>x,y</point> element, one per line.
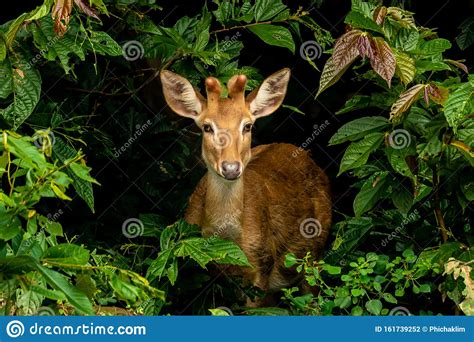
<point>371,192</point>
<point>158,267</point>
<point>61,47</point>
<point>26,87</point>
<point>383,61</point>
<point>274,35</point>
<point>405,67</point>
<point>358,128</point>
<point>358,152</point>
<point>457,105</point>
<point>84,189</point>
<point>103,44</point>
<point>406,99</point>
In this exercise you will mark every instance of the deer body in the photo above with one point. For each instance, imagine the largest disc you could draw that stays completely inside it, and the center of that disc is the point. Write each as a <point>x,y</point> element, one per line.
<point>271,200</point>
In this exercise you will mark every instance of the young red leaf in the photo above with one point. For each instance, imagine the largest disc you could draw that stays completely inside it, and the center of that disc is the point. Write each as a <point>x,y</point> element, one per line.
<point>405,101</point>
<point>61,14</point>
<point>383,62</point>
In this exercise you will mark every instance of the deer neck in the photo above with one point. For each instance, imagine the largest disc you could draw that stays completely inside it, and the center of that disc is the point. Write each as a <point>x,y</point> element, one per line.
<point>224,206</point>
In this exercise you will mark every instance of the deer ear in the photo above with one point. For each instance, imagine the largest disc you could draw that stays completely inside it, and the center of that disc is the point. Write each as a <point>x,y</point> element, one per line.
<point>269,96</point>
<point>180,95</point>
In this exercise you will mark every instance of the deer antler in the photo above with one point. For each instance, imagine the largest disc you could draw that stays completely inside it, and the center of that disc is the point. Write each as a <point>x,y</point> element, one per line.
<point>213,88</point>
<point>236,87</point>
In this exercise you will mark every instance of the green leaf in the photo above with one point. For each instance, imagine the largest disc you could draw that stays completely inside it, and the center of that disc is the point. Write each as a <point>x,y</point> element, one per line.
<point>290,260</point>
<point>82,171</point>
<point>358,152</point>
<point>458,103</point>
<point>17,264</point>
<point>432,47</point>
<point>103,44</point>
<point>6,86</point>
<point>274,35</point>
<point>50,294</point>
<point>84,189</point>
<point>359,128</point>
<point>26,86</point>
<point>407,39</point>
<point>3,50</point>
<point>389,298</point>
<point>466,38</point>
<point>10,225</point>
<point>333,270</point>
<point>359,20</point>
<point>405,67</point>
<point>267,9</point>
<point>371,192</point>
<point>193,248</point>
<point>67,254</point>
<point>374,306</point>
<point>57,47</point>
<point>58,282</point>
<point>157,268</point>
<point>402,198</point>
<point>225,252</point>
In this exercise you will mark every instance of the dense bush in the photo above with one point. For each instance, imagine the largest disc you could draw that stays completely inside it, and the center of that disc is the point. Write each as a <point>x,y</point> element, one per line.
<point>79,107</point>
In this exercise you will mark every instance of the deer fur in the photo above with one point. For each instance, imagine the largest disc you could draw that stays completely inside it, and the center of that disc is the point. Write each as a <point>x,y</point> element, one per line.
<point>279,202</point>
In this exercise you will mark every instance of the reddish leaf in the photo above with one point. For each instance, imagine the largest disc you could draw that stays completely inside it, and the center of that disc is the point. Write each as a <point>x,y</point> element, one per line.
<point>84,6</point>
<point>436,93</point>
<point>61,14</point>
<point>458,64</point>
<point>344,47</point>
<point>383,62</point>
<point>345,52</point>
<point>379,14</point>
<point>405,101</point>
<point>365,45</point>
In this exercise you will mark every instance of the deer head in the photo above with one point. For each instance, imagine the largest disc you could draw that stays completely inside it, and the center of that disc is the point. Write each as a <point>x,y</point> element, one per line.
<point>226,122</point>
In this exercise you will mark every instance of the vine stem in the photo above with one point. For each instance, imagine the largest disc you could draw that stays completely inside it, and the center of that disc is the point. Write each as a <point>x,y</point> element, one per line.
<point>437,207</point>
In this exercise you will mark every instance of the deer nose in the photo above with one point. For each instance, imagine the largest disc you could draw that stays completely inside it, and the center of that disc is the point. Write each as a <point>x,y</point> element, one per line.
<point>230,170</point>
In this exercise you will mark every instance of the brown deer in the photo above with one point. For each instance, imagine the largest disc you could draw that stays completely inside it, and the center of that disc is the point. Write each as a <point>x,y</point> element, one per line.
<point>271,200</point>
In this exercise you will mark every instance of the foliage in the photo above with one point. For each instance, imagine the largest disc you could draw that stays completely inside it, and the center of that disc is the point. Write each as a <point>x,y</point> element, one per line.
<point>77,79</point>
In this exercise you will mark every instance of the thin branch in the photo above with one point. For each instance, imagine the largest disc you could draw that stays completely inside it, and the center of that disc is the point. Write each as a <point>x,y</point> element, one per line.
<point>437,206</point>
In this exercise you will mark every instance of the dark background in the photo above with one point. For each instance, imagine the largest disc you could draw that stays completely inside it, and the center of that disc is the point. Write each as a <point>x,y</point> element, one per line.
<point>124,192</point>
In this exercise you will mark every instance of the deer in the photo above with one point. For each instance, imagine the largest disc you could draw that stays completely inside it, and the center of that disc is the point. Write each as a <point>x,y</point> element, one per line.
<point>272,199</point>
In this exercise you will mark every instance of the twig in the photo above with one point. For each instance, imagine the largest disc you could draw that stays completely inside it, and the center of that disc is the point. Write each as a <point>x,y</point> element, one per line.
<point>437,206</point>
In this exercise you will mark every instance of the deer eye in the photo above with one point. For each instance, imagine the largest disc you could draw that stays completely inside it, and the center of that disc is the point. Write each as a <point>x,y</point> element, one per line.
<point>207,128</point>
<point>247,128</point>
